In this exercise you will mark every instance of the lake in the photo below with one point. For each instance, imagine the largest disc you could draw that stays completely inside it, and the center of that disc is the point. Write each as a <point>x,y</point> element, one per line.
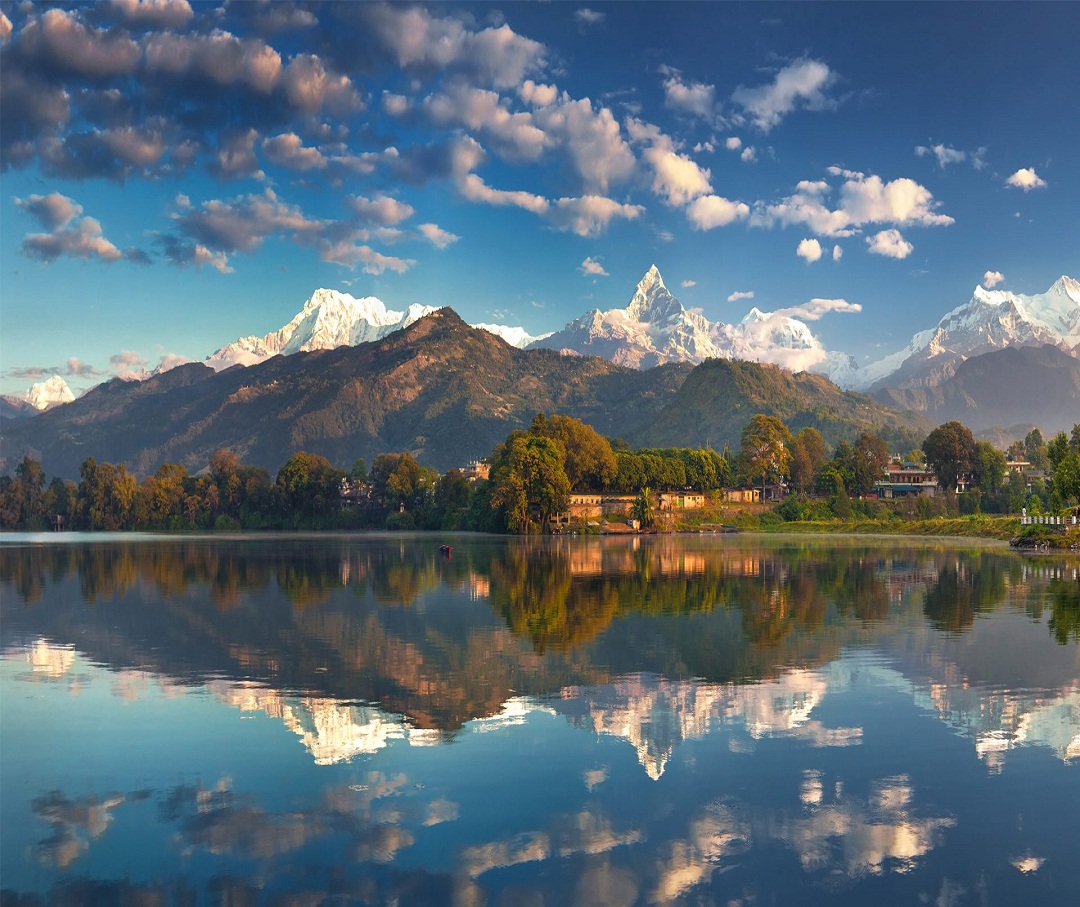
<point>358,719</point>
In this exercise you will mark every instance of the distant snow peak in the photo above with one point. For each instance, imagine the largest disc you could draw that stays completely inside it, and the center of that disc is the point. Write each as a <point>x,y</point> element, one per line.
<point>655,328</point>
<point>327,320</point>
<point>47,394</point>
<point>990,320</point>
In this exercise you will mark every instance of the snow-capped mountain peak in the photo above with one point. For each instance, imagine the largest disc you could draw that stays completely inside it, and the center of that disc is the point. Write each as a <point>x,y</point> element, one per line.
<point>990,320</point>
<point>47,394</point>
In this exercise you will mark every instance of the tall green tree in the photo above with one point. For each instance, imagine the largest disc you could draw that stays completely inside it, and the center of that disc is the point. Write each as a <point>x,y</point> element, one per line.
<point>949,449</point>
<point>1057,448</point>
<point>808,458</point>
<point>588,459</point>
<point>765,451</point>
<point>529,481</point>
<point>987,467</point>
<point>871,459</point>
<point>309,490</point>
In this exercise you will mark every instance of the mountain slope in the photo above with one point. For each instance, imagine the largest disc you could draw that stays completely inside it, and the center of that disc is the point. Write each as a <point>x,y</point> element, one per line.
<point>719,397</point>
<point>990,320</point>
<point>1024,384</point>
<point>445,391</point>
<point>330,319</point>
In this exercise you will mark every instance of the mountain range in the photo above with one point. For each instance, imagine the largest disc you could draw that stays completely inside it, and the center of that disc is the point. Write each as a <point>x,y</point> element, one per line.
<point>440,389</point>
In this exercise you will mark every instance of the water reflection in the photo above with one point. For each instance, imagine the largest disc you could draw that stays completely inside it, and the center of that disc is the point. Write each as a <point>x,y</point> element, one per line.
<point>573,721</point>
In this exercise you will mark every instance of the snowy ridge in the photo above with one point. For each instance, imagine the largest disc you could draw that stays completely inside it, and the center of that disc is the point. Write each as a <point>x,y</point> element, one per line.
<point>990,320</point>
<point>47,394</point>
<point>655,328</point>
<point>330,319</point>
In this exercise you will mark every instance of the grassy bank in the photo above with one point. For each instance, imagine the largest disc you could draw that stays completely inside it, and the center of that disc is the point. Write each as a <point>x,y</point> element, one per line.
<point>976,526</point>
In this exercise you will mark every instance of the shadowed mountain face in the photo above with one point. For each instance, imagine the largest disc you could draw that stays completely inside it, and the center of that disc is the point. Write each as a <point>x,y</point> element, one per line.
<point>721,395</point>
<point>445,391</point>
<point>1024,384</point>
<point>440,389</point>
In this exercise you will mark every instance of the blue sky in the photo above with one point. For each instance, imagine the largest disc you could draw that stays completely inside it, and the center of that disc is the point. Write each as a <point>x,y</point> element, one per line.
<point>175,176</point>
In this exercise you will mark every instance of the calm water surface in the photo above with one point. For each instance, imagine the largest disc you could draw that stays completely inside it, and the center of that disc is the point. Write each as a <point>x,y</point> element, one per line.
<point>701,720</point>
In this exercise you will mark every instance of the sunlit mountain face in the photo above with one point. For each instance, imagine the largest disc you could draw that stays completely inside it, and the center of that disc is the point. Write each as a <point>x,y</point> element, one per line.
<point>665,717</point>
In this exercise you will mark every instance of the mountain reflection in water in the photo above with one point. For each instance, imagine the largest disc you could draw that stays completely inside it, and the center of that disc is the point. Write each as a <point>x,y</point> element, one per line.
<point>475,716</point>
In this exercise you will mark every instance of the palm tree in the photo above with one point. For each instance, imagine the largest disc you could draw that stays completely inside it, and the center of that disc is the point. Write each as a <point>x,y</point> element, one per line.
<point>642,511</point>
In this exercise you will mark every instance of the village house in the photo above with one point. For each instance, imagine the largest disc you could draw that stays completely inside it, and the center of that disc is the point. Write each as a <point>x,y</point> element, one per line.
<point>907,480</point>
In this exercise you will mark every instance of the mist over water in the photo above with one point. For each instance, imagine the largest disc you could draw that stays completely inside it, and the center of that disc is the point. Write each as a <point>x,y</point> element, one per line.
<point>689,719</point>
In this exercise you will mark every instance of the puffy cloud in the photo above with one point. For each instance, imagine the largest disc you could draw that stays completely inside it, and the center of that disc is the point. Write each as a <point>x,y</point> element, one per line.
<point>515,134</point>
<point>738,294</point>
<point>944,154</point>
<point>588,16</point>
<point>61,41</point>
<point>437,236</point>
<point>128,364</point>
<point>696,97</point>
<point>538,95</point>
<point>80,239</point>
<point>235,156</point>
<point>139,147</point>
<point>243,224</point>
<point>590,267</point>
<point>380,210</point>
<point>837,253</point>
<point>901,201</point>
<point>748,154</point>
<point>592,139</point>
<point>710,211</point>
<point>801,83</point>
<point>181,254</point>
<point>155,13</point>
<point>349,253</point>
<point>1025,178</point>
<point>219,56</point>
<point>288,150</point>
<point>309,87</point>
<point>5,29</point>
<point>473,188</point>
<point>52,210</point>
<point>816,309</point>
<point>733,143</point>
<point>890,244</point>
<point>590,215</point>
<point>676,178</point>
<point>686,284</point>
<point>31,109</point>
<point>992,279</point>
<point>418,39</point>
<point>396,105</point>
<point>863,200</point>
<point>810,249</point>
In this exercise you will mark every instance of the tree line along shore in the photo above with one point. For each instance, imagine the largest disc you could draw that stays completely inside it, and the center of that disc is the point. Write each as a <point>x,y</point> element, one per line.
<point>531,478</point>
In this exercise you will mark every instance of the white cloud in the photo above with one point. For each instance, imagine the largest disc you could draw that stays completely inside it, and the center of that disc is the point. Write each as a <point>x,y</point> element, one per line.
<point>837,253</point>
<point>473,188</point>
<point>166,13</point>
<point>587,16</point>
<point>733,143</point>
<point>890,244</point>
<point>748,154</point>
<point>590,215</point>
<point>419,39</point>
<point>711,211</point>
<point>739,294</point>
<point>802,83</point>
<point>288,150</point>
<point>1025,178</point>
<point>944,154</point>
<point>395,104</point>
<point>694,97</point>
<point>816,308</point>
<point>380,210</point>
<point>992,279</point>
<point>538,95</point>
<point>590,267</point>
<point>863,200</point>
<point>515,134</point>
<point>676,179</point>
<point>810,249</point>
<point>437,236</point>
<point>68,234</point>
<point>687,284</point>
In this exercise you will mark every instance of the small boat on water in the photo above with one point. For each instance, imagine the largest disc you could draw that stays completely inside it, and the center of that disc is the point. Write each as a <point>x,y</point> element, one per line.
<point>445,550</point>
